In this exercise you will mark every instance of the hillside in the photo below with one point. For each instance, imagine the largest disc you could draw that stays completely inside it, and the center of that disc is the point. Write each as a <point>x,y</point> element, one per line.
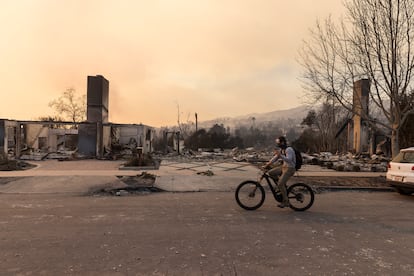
<point>292,116</point>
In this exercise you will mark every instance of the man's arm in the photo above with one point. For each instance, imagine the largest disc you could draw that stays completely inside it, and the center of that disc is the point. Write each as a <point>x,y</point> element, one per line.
<point>275,157</point>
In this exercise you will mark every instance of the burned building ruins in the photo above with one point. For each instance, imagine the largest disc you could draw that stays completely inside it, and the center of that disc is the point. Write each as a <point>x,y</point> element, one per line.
<point>361,136</point>
<point>96,137</point>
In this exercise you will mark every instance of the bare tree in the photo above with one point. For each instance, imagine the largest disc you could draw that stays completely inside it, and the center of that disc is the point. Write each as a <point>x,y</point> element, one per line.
<point>70,106</point>
<point>375,42</point>
<point>51,119</point>
<point>325,124</point>
<point>187,128</point>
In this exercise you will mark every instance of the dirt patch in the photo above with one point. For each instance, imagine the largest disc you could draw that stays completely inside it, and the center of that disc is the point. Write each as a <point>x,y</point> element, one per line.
<point>140,180</point>
<point>127,191</point>
<point>5,180</point>
<point>141,184</point>
<point>14,165</point>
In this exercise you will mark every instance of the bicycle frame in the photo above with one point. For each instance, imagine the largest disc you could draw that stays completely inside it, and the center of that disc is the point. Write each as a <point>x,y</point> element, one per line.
<point>275,190</point>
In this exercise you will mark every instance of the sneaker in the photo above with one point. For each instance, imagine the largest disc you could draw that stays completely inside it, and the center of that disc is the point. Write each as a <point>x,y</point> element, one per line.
<point>283,205</point>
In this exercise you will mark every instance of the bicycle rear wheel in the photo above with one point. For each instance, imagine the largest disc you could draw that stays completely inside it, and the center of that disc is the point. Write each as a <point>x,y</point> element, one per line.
<point>301,196</point>
<point>250,195</point>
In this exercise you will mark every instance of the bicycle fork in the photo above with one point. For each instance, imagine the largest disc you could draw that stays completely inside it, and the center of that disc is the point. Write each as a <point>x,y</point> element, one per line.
<point>254,189</point>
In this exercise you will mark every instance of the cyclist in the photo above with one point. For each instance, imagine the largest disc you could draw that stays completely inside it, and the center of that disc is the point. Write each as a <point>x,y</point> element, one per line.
<point>285,170</point>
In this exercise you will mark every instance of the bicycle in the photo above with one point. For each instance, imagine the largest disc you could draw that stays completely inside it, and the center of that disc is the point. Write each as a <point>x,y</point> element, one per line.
<point>250,194</point>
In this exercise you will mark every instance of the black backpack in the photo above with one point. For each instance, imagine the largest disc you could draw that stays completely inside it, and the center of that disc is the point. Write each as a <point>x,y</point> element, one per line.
<point>299,159</point>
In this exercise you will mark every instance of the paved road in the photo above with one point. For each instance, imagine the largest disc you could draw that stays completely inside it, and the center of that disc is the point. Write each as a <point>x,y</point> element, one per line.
<point>205,233</point>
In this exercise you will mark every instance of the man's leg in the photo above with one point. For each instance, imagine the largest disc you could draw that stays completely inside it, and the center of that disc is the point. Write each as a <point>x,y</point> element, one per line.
<point>286,174</point>
<point>275,172</point>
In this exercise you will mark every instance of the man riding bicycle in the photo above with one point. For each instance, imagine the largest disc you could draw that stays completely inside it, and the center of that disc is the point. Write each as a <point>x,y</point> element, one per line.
<point>284,171</point>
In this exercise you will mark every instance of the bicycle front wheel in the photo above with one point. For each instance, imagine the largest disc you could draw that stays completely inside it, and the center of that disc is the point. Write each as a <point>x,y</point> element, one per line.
<point>301,196</point>
<point>250,195</point>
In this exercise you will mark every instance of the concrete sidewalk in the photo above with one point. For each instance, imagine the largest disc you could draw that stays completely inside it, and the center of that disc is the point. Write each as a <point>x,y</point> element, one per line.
<point>52,176</point>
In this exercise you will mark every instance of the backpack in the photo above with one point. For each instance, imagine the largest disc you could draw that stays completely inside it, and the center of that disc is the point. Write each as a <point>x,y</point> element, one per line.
<point>299,159</point>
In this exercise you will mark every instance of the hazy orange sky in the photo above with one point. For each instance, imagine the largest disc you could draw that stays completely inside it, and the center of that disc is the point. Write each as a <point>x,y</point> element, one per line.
<point>219,58</point>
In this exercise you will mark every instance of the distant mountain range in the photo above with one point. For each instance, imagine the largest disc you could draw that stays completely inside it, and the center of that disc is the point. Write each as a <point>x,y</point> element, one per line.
<point>293,116</point>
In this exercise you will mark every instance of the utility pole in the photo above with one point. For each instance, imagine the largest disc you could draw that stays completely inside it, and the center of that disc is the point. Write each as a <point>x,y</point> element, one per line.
<point>196,119</point>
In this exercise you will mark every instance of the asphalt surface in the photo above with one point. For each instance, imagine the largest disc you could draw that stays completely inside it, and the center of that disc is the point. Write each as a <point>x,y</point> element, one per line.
<point>51,225</point>
<point>205,233</point>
